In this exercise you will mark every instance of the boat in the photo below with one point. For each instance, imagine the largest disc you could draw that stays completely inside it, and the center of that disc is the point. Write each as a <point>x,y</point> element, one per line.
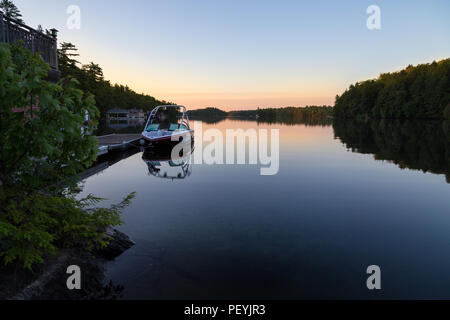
<point>165,124</point>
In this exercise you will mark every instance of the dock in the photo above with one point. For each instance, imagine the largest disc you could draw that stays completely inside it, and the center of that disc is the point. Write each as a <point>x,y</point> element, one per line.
<point>106,161</point>
<point>120,142</point>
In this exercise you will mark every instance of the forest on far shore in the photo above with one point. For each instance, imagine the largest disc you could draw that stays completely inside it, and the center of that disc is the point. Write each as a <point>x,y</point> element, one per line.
<point>288,115</point>
<point>417,92</point>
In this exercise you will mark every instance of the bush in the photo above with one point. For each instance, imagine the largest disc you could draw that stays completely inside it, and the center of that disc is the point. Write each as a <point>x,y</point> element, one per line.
<point>44,146</point>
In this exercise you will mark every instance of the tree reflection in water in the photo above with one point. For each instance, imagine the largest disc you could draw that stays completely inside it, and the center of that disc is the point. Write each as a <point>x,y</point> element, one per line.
<point>419,145</point>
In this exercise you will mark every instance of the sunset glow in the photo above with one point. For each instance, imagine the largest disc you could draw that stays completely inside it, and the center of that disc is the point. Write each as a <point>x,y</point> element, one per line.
<point>244,55</point>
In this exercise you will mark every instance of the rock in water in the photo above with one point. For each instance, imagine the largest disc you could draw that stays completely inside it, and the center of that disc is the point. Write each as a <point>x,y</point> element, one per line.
<point>48,282</point>
<point>119,243</point>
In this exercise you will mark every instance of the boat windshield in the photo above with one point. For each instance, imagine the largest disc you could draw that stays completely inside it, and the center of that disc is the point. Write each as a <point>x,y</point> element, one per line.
<point>152,127</point>
<point>177,126</point>
<point>167,118</point>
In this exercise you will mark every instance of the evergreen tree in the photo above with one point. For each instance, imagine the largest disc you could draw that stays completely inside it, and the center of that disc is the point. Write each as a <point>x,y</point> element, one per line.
<point>44,147</point>
<point>414,93</point>
<point>91,79</point>
<point>10,10</point>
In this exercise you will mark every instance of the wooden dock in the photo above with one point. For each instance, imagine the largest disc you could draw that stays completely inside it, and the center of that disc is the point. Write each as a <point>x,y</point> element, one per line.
<point>114,142</point>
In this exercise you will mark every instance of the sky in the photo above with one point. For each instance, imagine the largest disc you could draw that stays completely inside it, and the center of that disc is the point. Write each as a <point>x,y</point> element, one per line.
<point>247,54</point>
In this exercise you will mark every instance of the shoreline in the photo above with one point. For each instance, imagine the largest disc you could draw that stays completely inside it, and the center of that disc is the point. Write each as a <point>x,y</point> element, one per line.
<point>48,280</point>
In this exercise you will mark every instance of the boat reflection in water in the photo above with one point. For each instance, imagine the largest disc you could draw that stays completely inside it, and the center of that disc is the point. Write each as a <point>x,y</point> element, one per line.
<point>161,164</point>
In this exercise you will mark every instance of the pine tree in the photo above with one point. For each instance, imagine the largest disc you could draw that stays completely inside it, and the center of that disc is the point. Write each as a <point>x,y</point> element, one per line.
<point>44,147</point>
<point>10,10</point>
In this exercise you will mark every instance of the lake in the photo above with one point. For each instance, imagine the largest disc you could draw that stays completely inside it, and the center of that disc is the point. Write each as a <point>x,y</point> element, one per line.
<point>346,196</point>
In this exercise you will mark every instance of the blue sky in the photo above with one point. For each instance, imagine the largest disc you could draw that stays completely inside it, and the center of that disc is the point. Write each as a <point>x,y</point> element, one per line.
<point>247,54</point>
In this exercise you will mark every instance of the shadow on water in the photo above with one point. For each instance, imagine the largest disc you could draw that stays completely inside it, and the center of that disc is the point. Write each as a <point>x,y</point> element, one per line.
<point>412,144</point>
<point>105,161</point>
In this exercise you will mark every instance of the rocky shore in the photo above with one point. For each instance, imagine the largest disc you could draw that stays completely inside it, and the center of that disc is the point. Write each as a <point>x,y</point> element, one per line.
<point>48,281</point>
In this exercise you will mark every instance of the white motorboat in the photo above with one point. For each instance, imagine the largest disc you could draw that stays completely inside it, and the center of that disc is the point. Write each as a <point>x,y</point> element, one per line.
<point>167,123</point>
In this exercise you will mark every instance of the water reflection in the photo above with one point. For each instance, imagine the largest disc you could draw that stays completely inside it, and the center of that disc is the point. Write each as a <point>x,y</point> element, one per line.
<point>417,145</point>
<point>161,164</point>
<point>208,120</point>
<point>410,144</point>
<point>308,232</point>
<point>321,121</point>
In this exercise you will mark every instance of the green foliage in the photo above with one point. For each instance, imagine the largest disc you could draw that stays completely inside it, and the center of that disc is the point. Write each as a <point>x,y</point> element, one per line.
<point>44,145</point>
<point>243,114</point>
<point>91,79</point>
<point>421,92</point>
<point>213,112</point>
<point>39,224</point>
<point>10,10</point>
<point>209,115</point>
<point>293,115</point>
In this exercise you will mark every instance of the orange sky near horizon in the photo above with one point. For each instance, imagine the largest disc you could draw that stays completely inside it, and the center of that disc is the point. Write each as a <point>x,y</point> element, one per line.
<point>241,55</point>
<point>225,92</point>
<point>242,101</point>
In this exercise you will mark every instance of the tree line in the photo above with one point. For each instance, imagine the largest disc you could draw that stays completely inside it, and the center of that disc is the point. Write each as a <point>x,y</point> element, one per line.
<point>420,92</point>
<point>288,115</point>
<point>208,113</point>
<point>91,80</point>
<point>293,115</point>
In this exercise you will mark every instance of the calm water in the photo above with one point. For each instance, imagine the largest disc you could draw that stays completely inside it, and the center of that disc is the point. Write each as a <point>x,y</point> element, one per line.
<point>336,206</point>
